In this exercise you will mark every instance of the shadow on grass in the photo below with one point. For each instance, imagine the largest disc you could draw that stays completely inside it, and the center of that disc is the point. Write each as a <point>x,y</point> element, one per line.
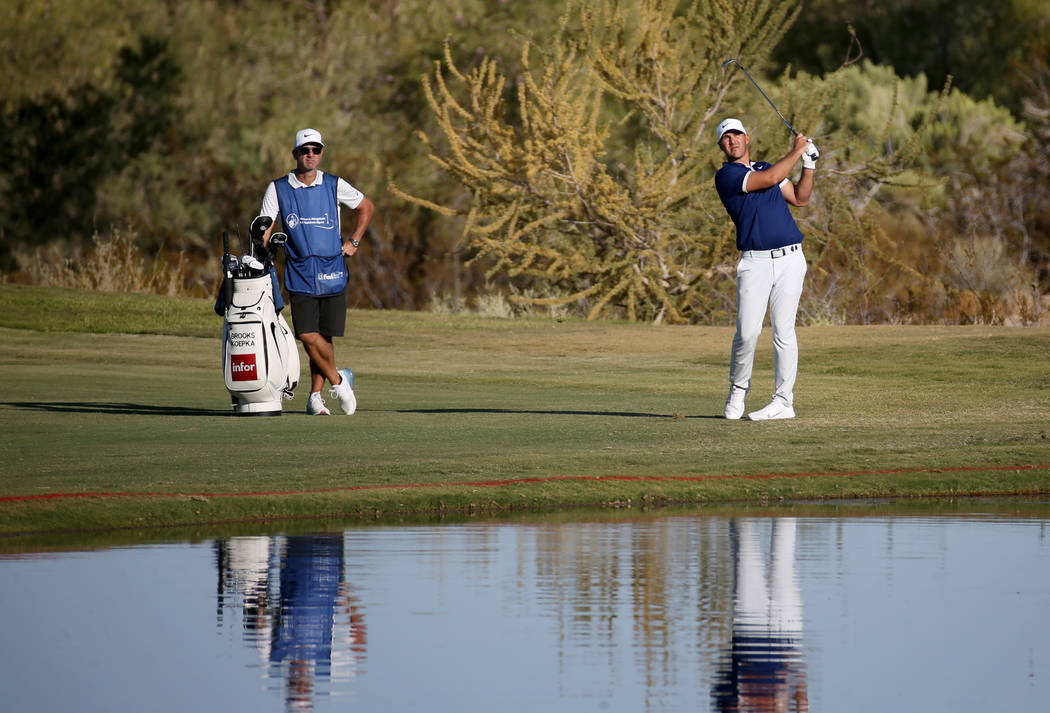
<point>149,410</point>
<point>549,412</point>
<point>114,408</point>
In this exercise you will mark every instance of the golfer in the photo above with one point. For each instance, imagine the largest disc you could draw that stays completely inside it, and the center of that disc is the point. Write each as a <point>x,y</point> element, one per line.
<point>307,202</point>
<point>772,267</point>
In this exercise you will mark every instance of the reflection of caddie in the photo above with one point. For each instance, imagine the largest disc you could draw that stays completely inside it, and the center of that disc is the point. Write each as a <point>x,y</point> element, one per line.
<point>772,267</point>
<point>307,201</point>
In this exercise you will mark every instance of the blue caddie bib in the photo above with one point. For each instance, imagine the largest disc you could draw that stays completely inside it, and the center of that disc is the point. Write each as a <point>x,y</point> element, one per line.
<point>310,216</point>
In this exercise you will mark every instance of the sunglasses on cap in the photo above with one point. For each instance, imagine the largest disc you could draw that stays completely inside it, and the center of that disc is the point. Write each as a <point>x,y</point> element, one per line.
<point>307,150</point>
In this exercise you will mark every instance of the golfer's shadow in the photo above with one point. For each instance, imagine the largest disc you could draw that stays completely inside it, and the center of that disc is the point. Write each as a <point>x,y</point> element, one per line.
<point>113,408</point>
<point>548,412</point>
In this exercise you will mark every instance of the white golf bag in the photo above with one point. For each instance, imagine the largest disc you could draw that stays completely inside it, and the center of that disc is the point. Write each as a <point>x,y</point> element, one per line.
<point>260,359</point>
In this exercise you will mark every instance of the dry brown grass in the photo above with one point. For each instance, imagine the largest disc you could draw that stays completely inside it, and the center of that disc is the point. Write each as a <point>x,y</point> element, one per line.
<point>114,263</point>
<point>970,282</point>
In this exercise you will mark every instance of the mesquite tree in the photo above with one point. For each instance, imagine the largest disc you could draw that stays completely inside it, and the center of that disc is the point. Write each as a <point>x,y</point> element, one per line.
<point>590,177</point>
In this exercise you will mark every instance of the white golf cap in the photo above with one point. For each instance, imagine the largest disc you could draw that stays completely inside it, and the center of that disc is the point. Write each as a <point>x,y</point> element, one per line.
<point>307,136</point>
<point>730,125</point>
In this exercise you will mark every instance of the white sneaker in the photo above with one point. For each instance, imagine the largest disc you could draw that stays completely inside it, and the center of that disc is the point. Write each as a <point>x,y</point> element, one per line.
<point>344,391</point>
<point>315,406</point>
<point>735,403</point>
<point>775,410</point>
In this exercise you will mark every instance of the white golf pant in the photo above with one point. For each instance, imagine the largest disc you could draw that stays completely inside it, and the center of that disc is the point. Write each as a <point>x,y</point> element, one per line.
<point>774,282</point>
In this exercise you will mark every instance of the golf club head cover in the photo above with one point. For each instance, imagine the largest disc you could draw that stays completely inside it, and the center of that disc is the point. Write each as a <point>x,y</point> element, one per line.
<point>252,263</point>
<point>277,241</point>
<point>260,224</point>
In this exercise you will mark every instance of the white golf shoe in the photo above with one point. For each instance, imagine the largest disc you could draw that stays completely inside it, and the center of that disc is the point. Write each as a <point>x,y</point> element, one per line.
<point>315,406</point>
<point>344,391</point>
<point>735,403</point>
<point>775,410</point>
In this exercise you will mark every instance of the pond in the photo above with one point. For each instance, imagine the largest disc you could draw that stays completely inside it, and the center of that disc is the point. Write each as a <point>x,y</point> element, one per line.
<point>850,608</point>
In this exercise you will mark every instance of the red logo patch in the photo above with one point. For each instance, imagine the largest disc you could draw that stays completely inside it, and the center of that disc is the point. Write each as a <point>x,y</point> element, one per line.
<point>242,367</point>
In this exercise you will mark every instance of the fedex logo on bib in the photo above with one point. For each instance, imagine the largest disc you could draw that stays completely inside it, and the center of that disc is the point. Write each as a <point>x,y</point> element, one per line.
<point>242,367</point>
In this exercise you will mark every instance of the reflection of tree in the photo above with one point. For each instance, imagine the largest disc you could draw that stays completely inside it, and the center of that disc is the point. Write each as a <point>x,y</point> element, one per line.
<point>298,611</point>
<point>667,579</point>
<point>764,671</point>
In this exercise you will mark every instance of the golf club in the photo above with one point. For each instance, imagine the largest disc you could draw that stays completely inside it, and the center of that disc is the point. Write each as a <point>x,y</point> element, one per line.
<point>260,224</point>
<point>734,60</point>
<point>251,266</point>
<point>230,265</point>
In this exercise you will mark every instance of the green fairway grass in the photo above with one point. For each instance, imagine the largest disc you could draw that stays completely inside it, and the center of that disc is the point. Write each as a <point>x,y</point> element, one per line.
<point>117,404</point>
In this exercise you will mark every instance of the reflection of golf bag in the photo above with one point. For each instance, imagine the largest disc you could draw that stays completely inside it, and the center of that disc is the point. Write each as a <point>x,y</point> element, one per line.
<point>259,355</point>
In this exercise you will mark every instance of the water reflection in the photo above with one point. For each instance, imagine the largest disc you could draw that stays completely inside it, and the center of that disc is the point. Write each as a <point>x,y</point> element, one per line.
<point>694,612</point>
<point>292,599</point>
<point>764,671</point>
<point>297,609</point>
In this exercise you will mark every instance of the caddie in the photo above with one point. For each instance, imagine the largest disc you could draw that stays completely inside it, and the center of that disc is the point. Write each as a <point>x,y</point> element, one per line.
<point>307,201</point>
<point>772,266</point>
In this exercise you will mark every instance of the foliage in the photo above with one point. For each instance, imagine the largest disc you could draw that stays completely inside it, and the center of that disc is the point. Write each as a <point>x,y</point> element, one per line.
<point>59,148</point>
<point>962,243</point>
<point>163,122</point>
<point>979,43</point>
<point>981,239</point>
<point>593,181</point>
<point>1035,203</point>
<point>112,263</point>
<point>554,199</point>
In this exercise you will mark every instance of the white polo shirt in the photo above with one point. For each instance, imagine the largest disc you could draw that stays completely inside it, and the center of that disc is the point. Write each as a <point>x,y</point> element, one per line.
<point>345,193</point>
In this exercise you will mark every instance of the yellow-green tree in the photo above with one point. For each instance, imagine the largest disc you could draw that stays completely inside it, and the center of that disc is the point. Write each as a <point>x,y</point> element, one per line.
<point>589,172</point>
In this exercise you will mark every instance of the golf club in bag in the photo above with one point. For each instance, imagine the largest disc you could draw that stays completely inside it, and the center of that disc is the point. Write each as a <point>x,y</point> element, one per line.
<point>260,359</point>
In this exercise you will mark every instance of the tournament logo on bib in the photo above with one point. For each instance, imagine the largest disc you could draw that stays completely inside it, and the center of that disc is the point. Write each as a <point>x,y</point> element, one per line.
<point>324,222</point>
<point>292,221</point>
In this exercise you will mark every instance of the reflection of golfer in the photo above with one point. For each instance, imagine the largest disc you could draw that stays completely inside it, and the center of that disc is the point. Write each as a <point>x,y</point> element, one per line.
<point>772,267</point>
<point>765,671</point>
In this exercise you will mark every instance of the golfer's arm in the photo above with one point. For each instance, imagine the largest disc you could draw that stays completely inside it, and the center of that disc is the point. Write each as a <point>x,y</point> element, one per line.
<point>798,194</point>
<point>758,180</point>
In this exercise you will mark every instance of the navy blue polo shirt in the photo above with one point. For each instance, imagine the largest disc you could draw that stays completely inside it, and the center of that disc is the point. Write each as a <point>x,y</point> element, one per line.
<point>762,218</point>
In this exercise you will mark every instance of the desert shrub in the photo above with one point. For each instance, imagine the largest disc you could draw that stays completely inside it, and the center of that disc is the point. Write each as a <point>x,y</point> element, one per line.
<point>113,263</point>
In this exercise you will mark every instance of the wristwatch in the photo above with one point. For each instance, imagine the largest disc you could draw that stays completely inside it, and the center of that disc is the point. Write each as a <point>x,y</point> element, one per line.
<point>355,243</point>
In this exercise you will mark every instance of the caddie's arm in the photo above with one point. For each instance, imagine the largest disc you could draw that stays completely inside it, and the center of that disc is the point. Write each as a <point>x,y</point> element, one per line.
<point>267,234</point>
<point>270,208</point>
<point>365,210</point>
<point>759,180</point>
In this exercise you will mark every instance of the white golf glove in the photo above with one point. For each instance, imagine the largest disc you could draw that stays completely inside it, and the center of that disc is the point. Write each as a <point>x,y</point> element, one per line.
<point>809,158</point>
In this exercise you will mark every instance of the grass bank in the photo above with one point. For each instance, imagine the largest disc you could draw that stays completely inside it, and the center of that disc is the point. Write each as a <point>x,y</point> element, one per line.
<point>114,415</point>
